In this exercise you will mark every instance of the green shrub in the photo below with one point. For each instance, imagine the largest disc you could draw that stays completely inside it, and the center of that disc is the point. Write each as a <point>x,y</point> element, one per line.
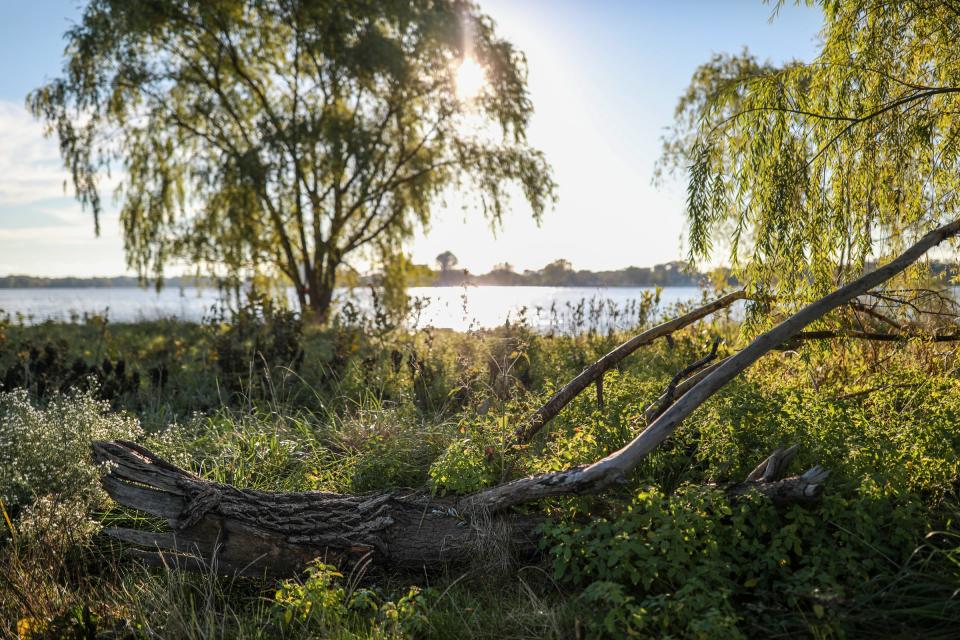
<point>322,604</point>
<point>694,564</point>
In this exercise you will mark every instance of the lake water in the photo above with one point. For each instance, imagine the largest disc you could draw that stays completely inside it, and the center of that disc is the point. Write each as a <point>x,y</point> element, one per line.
<point>460,308</point>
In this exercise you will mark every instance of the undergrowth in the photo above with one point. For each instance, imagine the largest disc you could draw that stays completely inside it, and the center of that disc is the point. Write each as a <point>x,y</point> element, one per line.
<point>274,405</point>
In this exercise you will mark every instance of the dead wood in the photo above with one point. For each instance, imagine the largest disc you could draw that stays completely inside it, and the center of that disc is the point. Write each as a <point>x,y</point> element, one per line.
<point>257,532</point>
<point>600,474</point>
<point>595,371</point>
<point>261,533</point>
<point>224,529</point>
<point>769,479</point>
<point>876,335</point>
<point>673,389</point>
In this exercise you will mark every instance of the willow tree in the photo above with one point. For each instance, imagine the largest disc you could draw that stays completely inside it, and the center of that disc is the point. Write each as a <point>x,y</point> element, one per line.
<point>280,137</point>
<point>810,171</point>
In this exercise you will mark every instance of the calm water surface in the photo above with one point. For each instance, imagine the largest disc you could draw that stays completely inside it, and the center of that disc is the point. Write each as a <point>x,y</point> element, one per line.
<point>458,308</point>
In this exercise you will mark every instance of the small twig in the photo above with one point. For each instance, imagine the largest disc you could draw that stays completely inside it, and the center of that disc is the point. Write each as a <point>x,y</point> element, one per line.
<point>876,315</point>
<point>669,395</point>
<point>872,335</point>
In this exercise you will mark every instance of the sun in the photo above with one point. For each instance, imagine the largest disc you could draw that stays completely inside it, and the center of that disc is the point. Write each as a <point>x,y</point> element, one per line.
<point>471,79</point>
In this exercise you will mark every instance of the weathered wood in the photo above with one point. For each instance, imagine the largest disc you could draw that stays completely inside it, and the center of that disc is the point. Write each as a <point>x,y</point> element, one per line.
<point>600,474</point>
<point>768,478</point>
<point>261,533</point>
<point>803,489</point>
<point>220,528</point>
<point>572,389</point>
<point>256,532</point>
<point>774,467</point>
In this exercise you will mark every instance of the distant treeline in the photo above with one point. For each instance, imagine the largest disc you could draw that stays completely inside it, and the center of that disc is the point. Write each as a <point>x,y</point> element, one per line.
<point>35,282</point>
<point>560,273</point>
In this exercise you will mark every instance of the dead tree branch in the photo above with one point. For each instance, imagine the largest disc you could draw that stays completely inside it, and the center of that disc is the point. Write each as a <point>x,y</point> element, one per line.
<point>876,336</point>
<point>671,392</point>
<point>600,474</point>
<point>562,398</point>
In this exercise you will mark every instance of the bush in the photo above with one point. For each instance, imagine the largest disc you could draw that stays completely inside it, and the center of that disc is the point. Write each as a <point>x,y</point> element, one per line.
<point>256,345</point>
<point>322,604</point>
<point>45,449</point>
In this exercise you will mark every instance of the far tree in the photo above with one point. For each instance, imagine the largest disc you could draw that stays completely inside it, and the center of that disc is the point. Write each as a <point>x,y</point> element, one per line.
<point>447,261</point>
<point>557,272</point>
<point>283,136</point>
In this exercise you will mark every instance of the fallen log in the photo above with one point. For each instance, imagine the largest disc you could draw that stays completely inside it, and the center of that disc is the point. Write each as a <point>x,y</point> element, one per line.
<point>595,371</point>
<point>250,532</point>
<point>246,531</point>
<point>220,528</point>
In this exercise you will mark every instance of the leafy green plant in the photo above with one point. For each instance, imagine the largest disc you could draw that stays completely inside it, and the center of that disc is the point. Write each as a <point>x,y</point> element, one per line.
<point>322,603</point>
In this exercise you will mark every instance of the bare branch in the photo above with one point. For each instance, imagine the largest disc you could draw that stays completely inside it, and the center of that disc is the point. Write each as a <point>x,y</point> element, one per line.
<point>604,472</point>
<point>562,398</point>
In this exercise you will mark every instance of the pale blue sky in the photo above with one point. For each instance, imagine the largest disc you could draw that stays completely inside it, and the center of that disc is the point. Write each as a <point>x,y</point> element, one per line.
<point>604,77</point>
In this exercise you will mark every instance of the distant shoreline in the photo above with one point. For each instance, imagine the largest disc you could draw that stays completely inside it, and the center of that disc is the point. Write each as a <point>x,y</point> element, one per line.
<point>118,282</point>
<point>168,285</point>
<point>556,274</point>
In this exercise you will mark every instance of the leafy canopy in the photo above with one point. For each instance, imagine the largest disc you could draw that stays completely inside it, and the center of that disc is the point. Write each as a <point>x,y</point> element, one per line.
<point>811,170</point>
<point>280,136</point>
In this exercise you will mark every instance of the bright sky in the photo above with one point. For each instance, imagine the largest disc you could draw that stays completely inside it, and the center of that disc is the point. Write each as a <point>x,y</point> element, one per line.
<point>604,77</point>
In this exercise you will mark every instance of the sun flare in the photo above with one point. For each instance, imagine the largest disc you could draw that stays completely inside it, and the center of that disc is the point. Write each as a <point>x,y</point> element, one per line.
<point>471,79</point>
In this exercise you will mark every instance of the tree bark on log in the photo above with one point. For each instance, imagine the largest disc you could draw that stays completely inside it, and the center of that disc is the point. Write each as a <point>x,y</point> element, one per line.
<point>255,532</point>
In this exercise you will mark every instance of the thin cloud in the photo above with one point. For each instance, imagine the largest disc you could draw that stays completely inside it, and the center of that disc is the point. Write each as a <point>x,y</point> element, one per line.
<point>30,166</point>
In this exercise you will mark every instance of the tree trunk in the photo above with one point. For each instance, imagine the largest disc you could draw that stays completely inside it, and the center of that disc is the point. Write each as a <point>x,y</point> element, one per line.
<point>321,291</point>
<point>256,533</point>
